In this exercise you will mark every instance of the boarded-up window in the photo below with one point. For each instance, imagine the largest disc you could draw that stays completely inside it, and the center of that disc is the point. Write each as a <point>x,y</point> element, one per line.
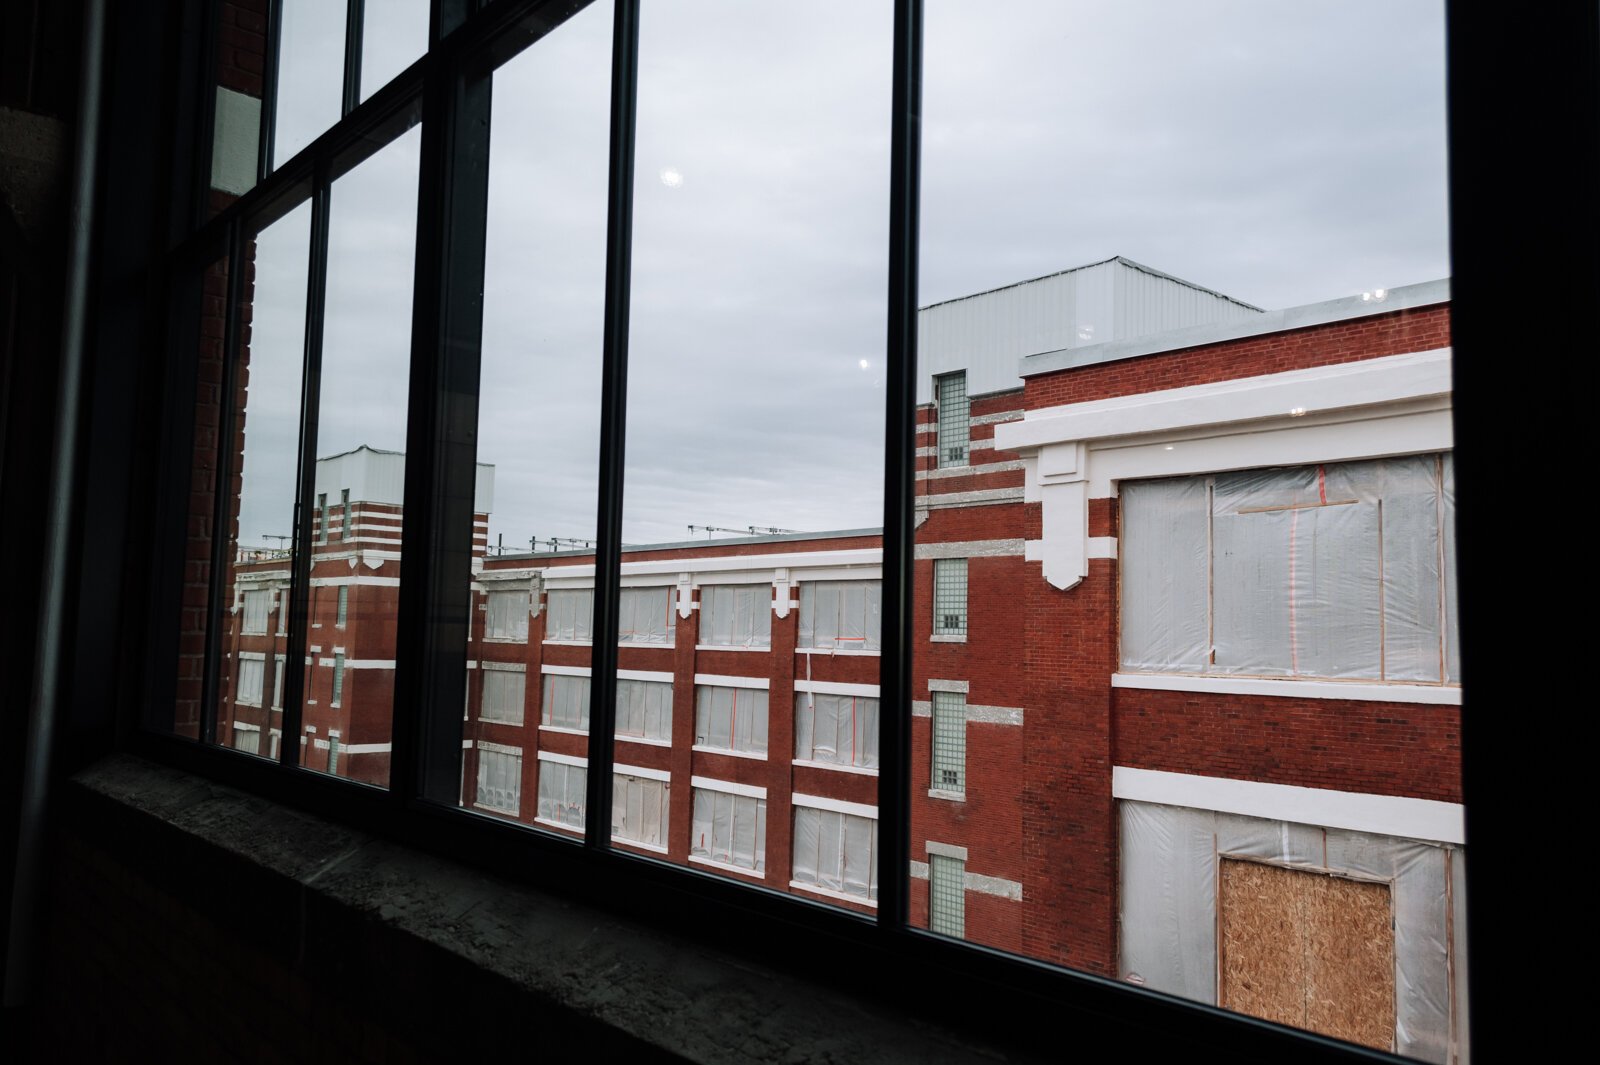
<point>1307,949</point>
<point>644,615</point>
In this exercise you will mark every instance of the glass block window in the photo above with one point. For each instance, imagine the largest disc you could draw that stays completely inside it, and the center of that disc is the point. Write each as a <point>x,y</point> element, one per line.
<point>344,606</point>
<point>838,729</point>
<point>256,607</point>
<point>283,612</point>
<point>731,719</point>
<point>946,895</point>
<point>500,779</point>
<point>949,741</point>
<point>730,829</point>
<point>836,852</point>
<point>955,419</point>
<point>277,683</point>
<point>333,753</point>
<point>841,615</point>
<point>251,674</point>
<point>504,691</point>
<point>322,517</point>
<point>506,616</point>
<point>645,615</point>
<point>562,794</point>
<point>338,677</point>
<point>644,709</point>
<point>570,614</point>
<point>736,615</point>
<point>639,808</point>
<point>949,597</point>
<point>344,509</point>
<point>566,702</point>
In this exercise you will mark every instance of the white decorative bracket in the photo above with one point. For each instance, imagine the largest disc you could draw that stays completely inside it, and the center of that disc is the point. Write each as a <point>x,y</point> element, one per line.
<point>1062,475</point>
<point>535,595</point>
<point>780,592</point>
<point>685,596</point>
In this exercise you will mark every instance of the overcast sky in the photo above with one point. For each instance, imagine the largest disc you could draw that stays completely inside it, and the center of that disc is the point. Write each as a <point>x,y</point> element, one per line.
<point>1282,153</point>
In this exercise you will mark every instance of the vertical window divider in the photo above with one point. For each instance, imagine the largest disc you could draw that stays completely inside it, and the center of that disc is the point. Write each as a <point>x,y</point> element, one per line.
<point>310,397</point>
<point>613,422</point>
<point>221,516</point>
<point>441,435</point>
<point>354,22</point>
<point>269,91</point>
<point>900,406</point>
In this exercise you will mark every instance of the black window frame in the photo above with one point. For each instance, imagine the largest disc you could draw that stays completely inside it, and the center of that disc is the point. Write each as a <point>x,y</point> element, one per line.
<point>898,964</point>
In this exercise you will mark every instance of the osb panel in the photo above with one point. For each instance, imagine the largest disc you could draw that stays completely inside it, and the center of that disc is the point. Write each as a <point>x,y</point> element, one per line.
<point>1307,949</point>
<point>1260,939</point>
<point>1350,942</point>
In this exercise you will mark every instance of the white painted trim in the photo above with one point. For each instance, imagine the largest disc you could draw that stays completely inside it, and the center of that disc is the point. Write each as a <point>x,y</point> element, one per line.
<point>1002,466</point>
<point>731,647</point>
<point>647,740</point>
<point>837,573</point>
<point>718,680</point>
<point>253,656</point>
<point>626,842</point>
<point>642,772</point>
<point>829,893</point>
<point>245,726</point>
<point>1387,815</point>
<point>563,730</point>
<point>992,885</point>
<point>959,687</point>
<point>1360,691</point>
<point>564,759</point>
<point>652,675</point>
<point>951,796</point>
<point>572,830</point>
<point>506,667</point>
<point>835,767</point>
<point>866,556</point>
<point>359,663</point>
<point>940,637</point>
<point>751,791</point>
<point>838,806</point>
<point>842,652</point>
<point>921,708</point>
<point>759,874</point>
<point>504,811</point>
<point>947,850</point>
<point>567,643</point>
<point>758,756</point>
<point>1102,547</point>
<point>566,671</point>
<point>829,687</point>
<point>970,549</point>
<point>499,748</point>
<point>947,500</point>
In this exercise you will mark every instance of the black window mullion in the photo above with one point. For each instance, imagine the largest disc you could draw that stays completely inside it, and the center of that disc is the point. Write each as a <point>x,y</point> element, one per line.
<point>899,451</point>
<point>222,544</point>
<point>613,422</point>
<point>441,439</point>
<point>353,25</point>
<point>269,91</point>
<point>294,670</point>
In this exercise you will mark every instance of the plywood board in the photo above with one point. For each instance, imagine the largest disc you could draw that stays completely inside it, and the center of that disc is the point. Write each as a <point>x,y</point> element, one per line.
<point>1307,949</point>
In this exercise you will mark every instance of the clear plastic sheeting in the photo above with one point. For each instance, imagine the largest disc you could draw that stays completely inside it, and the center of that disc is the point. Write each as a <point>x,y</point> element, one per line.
<point>730,829</point>
<point>504,692</point>
<point>500,780</point>
<point>639,809</point>
<point>1337,570</point>
<point>731,719</point>
<point>836,852</point>
<point>838,729</point>
<point>1165,607</point>
<point>1170,867</point>
<point>566,702</point>
<point>841,615</point>
<point>1452,630</point>
<point>644,709</point>
<point>736,615</point>
<point>562,793</point>
<point>569,614</point>
<point>507,616</point>
<point>645,616</point>
<point>257,605</point>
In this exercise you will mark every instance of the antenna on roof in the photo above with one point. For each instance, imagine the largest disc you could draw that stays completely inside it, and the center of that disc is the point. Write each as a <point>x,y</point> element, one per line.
<point>748,530</point>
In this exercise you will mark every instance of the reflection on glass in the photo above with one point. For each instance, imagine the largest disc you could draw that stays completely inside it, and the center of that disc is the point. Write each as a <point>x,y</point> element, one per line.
<point>1185,681</point>
<point>241,59</point>
<point>539,434</point>
<point>394,34</point>
<point>359,481</point>
<point>751,579</point>
<point>261,487</point>
<point>310,83</point>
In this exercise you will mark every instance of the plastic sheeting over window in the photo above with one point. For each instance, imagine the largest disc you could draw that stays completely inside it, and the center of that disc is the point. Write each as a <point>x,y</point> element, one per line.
<point>839,729</point>
<point>257,605</point>
<point>736,615</point>
<point>731,719</point>
<point>1169,866</point>
<point>561,792</point>
<point>644,709</point>
<point>252,674</point>
<point>836,851</point>
<point>503,695</point>
<point>569,614</point>
<point>1340,570</point>
<point>566,702</point>
<point>500,780</point>
<point>507,616</point>
<point>645,616</point>
<point>730,829</point>
<point>841,615</point>
<point>639,809</point>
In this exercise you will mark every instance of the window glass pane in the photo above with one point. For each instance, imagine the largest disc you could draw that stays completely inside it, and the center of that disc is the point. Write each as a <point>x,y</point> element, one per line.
<point>241,59</point>
<point>310,81</point>
<point>361,425</point>
<point>1184,417</point>
<point>394,34</point>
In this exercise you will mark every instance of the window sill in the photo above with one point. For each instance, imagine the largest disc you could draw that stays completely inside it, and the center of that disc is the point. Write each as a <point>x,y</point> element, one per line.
<point>829,893</point>
<point>753,755</point>
<point>1359,691</point>
<point>568,643</point>
<point>564,731</point>
<point>724,867</point>
<point>731,647</point>
<point>654,848</point>
<point>840,651</point>
<point>950,796</point>
<point>500,811</point>
<point>561,825</point>
<point>512,722</point>
<point>947,637</point>
<point>648,741</point>
<point>860,770</point>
